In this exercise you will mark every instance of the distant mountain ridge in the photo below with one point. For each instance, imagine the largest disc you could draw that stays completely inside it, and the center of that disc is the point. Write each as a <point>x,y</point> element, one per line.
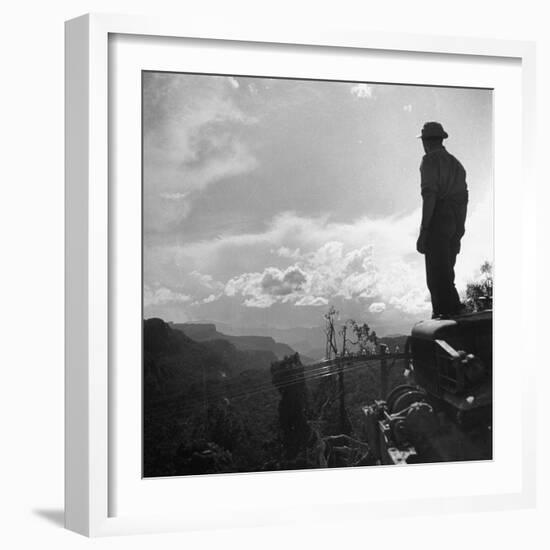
<point>175,362</point>
<point>204,332</point>
<point>309,342</point>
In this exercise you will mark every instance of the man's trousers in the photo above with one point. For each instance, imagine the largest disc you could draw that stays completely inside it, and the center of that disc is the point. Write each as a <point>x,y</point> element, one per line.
<point>440,275</point>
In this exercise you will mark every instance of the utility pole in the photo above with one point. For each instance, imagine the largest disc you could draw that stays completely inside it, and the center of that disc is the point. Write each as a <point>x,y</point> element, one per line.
<point>204,400</point>
<point>345,425</point>
<point>330,348</point>
<point>383,371</point>
<point>341,383</point>
<point>332,351</point>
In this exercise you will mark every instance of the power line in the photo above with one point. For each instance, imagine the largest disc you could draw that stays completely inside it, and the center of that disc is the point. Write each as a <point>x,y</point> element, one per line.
<point>195,403</point>
<point>319,367</point>
<point>308,374</point>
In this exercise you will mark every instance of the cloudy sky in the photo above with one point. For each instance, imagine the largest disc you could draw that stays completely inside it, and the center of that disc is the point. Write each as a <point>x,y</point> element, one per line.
<point>267,200</point>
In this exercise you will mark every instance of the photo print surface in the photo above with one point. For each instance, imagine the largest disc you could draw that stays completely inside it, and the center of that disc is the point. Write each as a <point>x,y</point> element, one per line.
<point>317,274</point>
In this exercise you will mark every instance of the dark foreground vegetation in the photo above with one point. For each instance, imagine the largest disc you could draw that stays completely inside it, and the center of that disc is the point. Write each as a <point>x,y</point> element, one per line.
<point>210,407</point>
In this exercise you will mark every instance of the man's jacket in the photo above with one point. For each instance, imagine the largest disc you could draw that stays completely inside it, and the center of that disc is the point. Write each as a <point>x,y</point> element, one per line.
<point>442,175</point>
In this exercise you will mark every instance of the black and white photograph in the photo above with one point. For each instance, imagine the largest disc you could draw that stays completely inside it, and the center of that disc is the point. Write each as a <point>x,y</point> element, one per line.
<point>317,274</point>
<point>275,275</point>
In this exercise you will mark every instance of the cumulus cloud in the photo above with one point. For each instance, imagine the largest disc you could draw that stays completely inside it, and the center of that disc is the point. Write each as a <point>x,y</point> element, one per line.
<point>314,301</point>
<point>365,261</point>
<point>414,301</point>
<point>377,307</point>
<point>361,90</point>
<point>333,272</point>
<point>203,287</point>
<point>161,296</point>
<point>209,299</point>
<point>270,286</point>
<point>234,82</point>
<point>190,289</point>
<point>281,283</point>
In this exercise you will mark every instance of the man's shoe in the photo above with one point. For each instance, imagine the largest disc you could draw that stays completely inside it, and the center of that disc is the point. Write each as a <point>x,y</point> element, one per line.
<point>461,310</point>
<point>441,316</point>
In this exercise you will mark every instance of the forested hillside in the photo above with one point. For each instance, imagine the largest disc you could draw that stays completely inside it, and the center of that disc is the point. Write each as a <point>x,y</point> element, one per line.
<point>210,407</point>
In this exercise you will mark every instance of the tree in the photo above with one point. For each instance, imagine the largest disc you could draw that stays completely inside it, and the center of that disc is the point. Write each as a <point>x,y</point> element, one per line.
<point>288,377</point>
<point>479,293</point>
<point>366,340</point>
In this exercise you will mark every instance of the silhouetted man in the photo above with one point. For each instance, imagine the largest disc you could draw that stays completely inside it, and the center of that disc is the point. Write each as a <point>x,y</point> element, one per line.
<point>444,204</point>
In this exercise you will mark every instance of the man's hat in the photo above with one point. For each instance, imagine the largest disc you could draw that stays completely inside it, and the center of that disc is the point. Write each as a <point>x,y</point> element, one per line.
<point>433,129</point>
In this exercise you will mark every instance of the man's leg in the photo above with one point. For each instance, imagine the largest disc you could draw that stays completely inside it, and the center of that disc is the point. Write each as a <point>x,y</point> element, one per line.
<point>429,282</point>
<point>450,302</point>
<point>434,268</point>
<point>440,276</point>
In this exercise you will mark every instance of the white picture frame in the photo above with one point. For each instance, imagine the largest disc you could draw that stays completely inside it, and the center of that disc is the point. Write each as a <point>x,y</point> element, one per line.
<point>89,217</point>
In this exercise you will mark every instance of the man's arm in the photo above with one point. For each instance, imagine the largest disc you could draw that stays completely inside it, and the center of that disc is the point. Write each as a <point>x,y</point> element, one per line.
<point>429,178</point>
<point>428,206</point>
